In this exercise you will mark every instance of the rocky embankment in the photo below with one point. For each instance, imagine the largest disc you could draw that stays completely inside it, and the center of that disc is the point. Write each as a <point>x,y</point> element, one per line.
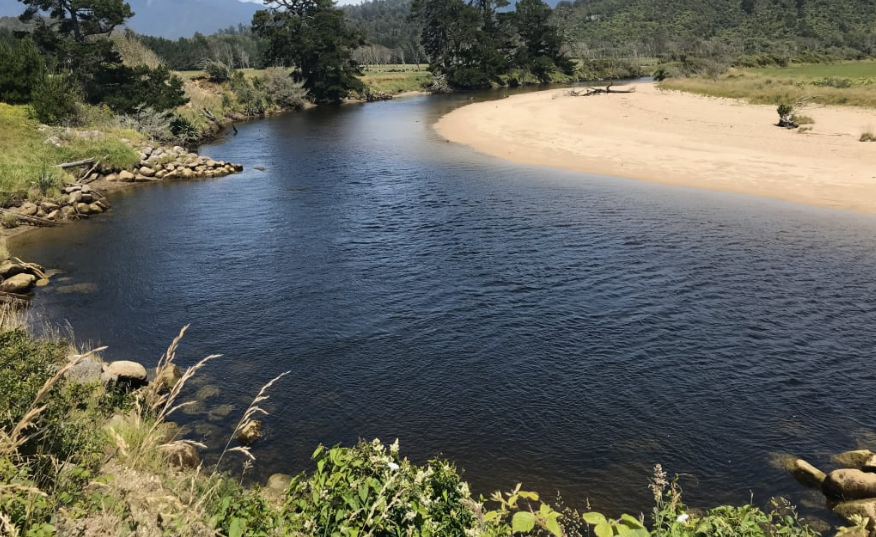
<point>87,196</point>
<point>850,491</point>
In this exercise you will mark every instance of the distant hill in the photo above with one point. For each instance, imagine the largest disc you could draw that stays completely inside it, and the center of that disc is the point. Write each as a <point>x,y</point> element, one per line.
<point>173,18</point>
<point>806,24</point>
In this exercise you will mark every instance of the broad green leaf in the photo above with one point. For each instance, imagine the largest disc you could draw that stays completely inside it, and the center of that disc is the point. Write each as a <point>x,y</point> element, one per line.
<point>363,492</point>
<point>235,529</point>
<point>528,495</point>
<point>553,526</point>
<point>631,522</point>
<point>491,515</point>
<point>593,518</point>
<point>317,452</point>
<point>522,521</point>
<point>603,529</point>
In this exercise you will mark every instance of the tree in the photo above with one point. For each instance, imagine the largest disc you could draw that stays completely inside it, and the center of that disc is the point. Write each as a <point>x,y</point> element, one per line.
<point>542,47</point>
<point>313,38</point>
<point>21,70</point>
<point>80,18</point>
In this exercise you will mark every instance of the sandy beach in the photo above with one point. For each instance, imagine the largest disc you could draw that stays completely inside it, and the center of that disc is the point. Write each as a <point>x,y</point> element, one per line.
<point>681,139</point>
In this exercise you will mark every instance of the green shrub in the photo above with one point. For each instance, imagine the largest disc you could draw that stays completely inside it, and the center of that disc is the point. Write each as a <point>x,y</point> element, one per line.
<point>218,72</point>
<point>250,95</point>
<point>867,137</point>
<point>22,69</point>
<point>284,91</point>
<point>125,89</point>
<point>55,100</point>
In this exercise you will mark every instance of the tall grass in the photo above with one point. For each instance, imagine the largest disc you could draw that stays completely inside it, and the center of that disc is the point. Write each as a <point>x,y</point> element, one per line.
<point>27,161</point>
<point>781,87</point>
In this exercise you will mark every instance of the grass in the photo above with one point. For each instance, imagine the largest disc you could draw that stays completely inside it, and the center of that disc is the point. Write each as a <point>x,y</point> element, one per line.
<point>857,69</point>
<point>28,164</point>
<point>833,84</point>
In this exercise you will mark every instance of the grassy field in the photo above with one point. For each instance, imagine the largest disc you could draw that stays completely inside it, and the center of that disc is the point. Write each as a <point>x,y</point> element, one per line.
<point>391,78</point>
<point>28,163</point>
<point>847,83</point>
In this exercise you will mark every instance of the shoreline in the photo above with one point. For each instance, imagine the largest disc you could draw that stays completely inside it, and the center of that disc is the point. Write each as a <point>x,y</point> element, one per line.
<point>680,139</point>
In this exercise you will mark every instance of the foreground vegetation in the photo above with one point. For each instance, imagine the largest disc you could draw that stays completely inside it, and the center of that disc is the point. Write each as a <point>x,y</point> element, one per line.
<point>846,83</point>
<point>89,458</point>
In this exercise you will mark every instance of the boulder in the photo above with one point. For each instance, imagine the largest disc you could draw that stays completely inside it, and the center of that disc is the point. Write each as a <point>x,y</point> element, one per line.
<point>41,213</point>
<point>10,268</point>
<point>187,173</point>
<point>48,206</point>
<point>86,189</point>
<point>166,378</point>
<point>854,459</point>
<point>251,431</point>
<point>126,372</point>
<point>74,198</point>
<point>112,177</point>
<point>42,282</point>
<point>806,474</point>
<point>87,371</point>
<point>147,171</point>
<point>20,283</point>
<point>83,208</point>
<point>181,454</point>
<point>862,508</point>
<point>95,208</point>
<point>29,208</point>
<point>103,204</point>
<point>87,197</point>
<point>849,484</point>
<point>140,178</point>
<point>147,150</point>
<point>67,211</point>
<point>53,215</point>
<point>126,176</point>
<point>279,482</point>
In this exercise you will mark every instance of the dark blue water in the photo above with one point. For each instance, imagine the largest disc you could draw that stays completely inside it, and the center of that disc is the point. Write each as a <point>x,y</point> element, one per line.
<point>563,330</point>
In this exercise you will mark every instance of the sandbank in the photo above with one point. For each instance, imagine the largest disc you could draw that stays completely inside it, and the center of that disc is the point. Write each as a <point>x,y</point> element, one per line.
<point>681,139</point>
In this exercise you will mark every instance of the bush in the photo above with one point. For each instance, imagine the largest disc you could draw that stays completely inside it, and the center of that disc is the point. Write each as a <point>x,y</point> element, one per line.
<point>22,69</point>
<point>250,95</point>
<point>217,71</point>
<point>125,89</point>
<point>283,91</point>
<point>55,100</point>
<point>867,137</point>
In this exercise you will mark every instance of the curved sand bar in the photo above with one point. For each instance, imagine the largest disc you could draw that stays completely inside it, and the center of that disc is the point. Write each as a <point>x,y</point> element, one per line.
<point>681,139</point>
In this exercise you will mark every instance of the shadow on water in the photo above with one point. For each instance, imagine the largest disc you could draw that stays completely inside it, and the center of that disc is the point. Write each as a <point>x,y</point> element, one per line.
<point>564,330</point>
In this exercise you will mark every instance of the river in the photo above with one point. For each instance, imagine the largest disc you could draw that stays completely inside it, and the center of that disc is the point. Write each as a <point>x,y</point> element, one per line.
<point>567,331</point>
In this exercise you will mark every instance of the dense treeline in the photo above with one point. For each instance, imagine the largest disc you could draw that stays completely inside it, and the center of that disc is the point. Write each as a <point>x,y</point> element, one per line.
<point>734,31</point>
<point>392,35</point>
<point>479,44</point>
<point>235,47</point>
<point>65,57</point>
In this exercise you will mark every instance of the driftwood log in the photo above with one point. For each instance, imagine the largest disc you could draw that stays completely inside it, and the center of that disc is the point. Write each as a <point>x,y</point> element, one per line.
<point>587,92</point>
<point>33,220</point>
<point>76,163</point>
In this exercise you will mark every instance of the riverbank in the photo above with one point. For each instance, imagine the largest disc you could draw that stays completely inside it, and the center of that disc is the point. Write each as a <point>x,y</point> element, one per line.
<point>681,139</point>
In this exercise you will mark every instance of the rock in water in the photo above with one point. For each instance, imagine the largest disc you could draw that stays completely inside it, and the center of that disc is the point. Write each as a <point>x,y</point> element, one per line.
<point>19,284</point>
<point>126,372</point>
<point>181,455</point>
<point>250,432</point>
<point>806,474</point>
<point>863,508</point>
<point>166,378</point>
<point>849,484</point>
<point>854,459</point>
<point>126,176</point>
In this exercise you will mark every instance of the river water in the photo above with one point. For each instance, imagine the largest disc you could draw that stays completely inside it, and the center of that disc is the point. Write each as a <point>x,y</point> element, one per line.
<point>564,330</point>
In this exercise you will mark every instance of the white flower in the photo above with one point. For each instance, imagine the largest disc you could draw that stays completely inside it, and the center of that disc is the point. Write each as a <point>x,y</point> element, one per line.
<point>684,517</point>
<point>394,447</point>
<point>393,466</point>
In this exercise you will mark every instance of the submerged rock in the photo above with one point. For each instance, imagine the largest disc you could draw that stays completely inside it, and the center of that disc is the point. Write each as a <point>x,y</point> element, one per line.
<point>862,508</point>
<point>250,432</point>
<point>166,378</point>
